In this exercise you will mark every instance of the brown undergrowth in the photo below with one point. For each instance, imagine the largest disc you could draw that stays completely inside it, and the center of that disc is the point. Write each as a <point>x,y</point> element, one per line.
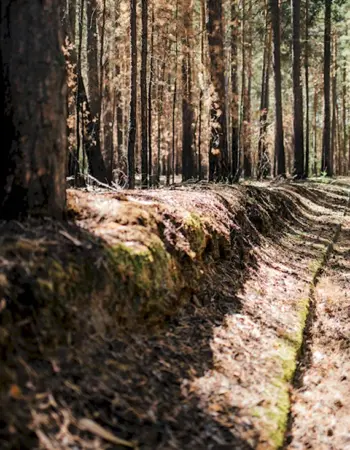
<point>107,315</point>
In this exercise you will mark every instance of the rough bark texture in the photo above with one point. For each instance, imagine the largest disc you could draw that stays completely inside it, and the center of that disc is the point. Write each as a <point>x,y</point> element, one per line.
<point>133,99</point>
<point>33,110</point>
<point>187,107</point>
<point>298,95</point>
<point>307,91</point>
<point>144,99</point>
<point>264,165</point>
<point>279,133</point>
<point>218,153</point>
<point>235,91</point>
<point>93,70</point>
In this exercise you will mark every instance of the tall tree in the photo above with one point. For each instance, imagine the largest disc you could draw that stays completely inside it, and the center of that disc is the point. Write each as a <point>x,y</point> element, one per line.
<point>298,94</point>
<point>279,132</point>
<point>133,94</point>
<point>33,113</point>
<point>307,88</point>
<point>263,159</point>
<point>187,107</point>
<point>144,98</point>
<point>246,88</point>
<point>218,153</point>
<point>235,91</point>
<point>326,144</point>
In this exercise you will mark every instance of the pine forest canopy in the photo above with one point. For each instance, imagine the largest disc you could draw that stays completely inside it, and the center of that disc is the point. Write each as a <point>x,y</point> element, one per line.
<point>144,93</point>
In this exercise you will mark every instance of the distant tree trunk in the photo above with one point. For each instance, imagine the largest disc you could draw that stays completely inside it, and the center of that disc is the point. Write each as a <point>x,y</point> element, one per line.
<point>263,159</point>
<point>201,94</point>
<point>334,153</point>
<point>133,94</point>
<point>79,102</point>
<point>307,91</point>
<point>93,71</point>
<point>150,88</point>
<point>119,114</point>
<point>279,133</point>
<point>187,107</point>
<point>235,92</point>
<point>298,95</point>
<point>218,152</point>
<point>345,133</point>
<point>315,130</point>
<point>246,90</point>
<point>33,113</point>
<point>144,103</point>
<point>173,146</point>
<point>326,144</point>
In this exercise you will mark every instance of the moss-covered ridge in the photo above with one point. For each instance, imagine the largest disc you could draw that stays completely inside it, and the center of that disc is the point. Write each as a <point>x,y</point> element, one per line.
<point>125,260</point>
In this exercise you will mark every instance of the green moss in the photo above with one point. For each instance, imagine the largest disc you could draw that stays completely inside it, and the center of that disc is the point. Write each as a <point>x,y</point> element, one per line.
<point>274,413</point>
<point>195,230</point>
<point>146,275</point>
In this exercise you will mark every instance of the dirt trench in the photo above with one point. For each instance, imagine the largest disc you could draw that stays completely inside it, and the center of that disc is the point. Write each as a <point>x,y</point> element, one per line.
<point>320,413</point>
<point>218,373</point>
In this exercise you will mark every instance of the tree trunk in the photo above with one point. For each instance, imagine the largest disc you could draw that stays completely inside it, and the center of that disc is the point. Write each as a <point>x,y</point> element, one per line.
<point>150,98</point>
<point>298,95</point>
<point>218,152</point>
<point>133,94</point>
<point>307,91</point>
<point>93,72</point>
<point>279,133</point>
<point>33,86</point>
<point>201,94</point>
<point>144,104</point>
<point>345,133</point>
<point>334,153</point>
<point>326,144</point>
<point>119,113</point>
<point>173,147</point>
<point>187,107</point>
<point>315,130</point>
<point>263,158</point>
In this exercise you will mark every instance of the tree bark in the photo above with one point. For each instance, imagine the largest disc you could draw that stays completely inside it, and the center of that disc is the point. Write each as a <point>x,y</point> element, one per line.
<point>218,152</point>
<point>93,72</point>
<point>326,144</point>
<point>144,103</point>
<point>33,110</point>
<point>279,133</point>
<point>235,92</point>
<point>187,107</point>
<point>298,95</point>
<point>133,94</point>
<point>307,91</point>
<point>263,159</point>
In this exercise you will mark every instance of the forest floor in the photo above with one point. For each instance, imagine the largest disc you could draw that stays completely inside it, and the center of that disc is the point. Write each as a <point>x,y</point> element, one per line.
<point>239,337</point>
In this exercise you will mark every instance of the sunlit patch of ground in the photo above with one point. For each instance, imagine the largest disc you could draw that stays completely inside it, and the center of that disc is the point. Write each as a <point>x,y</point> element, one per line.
<point>321,410</point>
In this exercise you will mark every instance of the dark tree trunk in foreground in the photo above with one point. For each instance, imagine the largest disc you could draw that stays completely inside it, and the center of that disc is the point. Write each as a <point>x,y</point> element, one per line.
<point>298,95</point>
<point>33,110</point>
<point>279,133</point>
<point>326,144</point>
